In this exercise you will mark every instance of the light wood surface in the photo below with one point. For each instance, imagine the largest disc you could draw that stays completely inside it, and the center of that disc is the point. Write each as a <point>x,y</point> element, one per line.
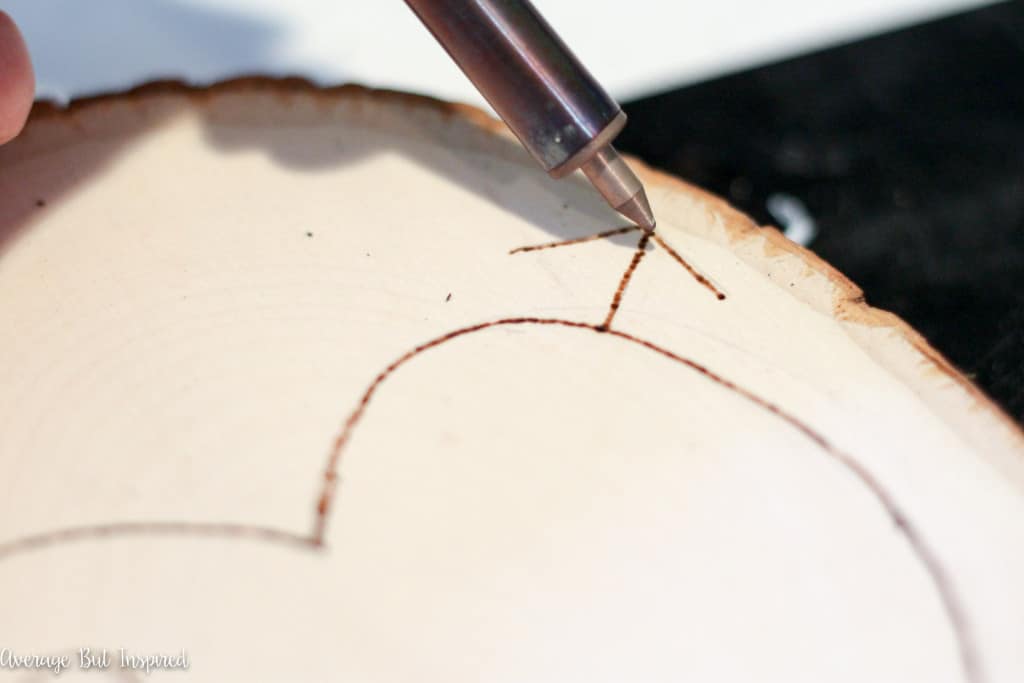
<point>286,384</point>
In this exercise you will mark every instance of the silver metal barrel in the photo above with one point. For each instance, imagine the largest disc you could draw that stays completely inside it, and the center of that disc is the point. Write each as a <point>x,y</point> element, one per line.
<point>524,70</point>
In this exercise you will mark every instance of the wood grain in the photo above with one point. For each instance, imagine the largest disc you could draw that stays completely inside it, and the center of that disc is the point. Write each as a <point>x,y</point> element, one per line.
<point>600,454</point>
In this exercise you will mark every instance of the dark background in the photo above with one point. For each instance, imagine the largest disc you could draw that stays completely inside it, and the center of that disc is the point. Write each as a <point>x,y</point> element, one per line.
<point>907,150</point>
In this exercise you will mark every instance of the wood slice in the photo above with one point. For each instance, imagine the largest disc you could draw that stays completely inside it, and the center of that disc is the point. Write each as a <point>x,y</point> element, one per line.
<point>336,385</point>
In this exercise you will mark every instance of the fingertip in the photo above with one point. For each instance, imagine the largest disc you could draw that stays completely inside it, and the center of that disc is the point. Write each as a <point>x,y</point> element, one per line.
<point>17,82</point>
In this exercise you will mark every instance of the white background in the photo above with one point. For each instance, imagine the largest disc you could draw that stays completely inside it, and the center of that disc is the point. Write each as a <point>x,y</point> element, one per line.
<point>633,46</point>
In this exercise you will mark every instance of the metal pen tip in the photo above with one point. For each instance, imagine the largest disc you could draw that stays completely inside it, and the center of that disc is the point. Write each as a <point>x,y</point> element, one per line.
<point>638,210</point>
<point>620,187</point>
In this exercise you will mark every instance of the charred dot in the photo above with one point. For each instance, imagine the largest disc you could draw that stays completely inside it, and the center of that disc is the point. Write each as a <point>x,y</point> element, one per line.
<point>40,203</point>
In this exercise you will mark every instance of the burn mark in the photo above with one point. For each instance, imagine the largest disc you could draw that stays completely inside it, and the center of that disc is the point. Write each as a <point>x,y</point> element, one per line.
<point>613,308</point>
<point>579,240</point>
<point>330,477</point>
<point>120,529</point>
<point>700,278</point>
<point>899,518</point>
<point>690,269</point>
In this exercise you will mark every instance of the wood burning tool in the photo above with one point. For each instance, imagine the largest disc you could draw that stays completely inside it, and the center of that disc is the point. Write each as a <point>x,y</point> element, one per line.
<point>554,106</point>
